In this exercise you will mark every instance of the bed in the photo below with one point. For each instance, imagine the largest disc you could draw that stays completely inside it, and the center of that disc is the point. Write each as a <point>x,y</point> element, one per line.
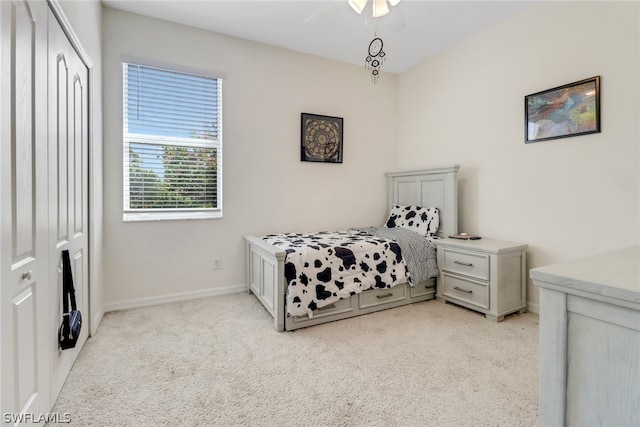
<point>268,281</point>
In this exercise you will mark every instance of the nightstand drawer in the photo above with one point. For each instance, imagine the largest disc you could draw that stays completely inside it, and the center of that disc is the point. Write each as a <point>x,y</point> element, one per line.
<point>466,290</point>
<point>466,263</point>
<point>372,298</point>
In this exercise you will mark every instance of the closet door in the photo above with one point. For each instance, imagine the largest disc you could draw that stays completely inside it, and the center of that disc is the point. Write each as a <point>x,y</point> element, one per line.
<point>68,191</point>
<point>25,304</point>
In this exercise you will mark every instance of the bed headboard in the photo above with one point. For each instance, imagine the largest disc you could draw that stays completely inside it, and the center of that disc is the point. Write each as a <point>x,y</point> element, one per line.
<point>428,187</point>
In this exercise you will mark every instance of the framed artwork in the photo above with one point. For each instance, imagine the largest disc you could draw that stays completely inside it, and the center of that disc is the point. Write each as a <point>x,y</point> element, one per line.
<point>321,138</point>
<point>564,111</point>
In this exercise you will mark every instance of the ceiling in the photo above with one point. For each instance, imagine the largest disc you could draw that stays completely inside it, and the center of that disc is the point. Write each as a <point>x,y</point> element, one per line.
<point>414,30</point>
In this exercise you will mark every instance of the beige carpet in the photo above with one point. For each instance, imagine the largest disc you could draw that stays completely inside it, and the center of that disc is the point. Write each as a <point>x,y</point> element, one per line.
<point>219,362</point>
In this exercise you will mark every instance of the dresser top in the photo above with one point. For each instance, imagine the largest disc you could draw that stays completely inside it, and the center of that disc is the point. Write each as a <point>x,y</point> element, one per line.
<point>482,245</point>
<point>614,274</point>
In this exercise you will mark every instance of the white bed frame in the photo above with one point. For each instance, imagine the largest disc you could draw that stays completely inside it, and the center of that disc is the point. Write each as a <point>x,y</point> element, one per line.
<point>265,263</point>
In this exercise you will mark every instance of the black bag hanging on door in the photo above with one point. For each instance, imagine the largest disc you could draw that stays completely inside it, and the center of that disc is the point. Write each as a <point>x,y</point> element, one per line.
<point>71,319</point>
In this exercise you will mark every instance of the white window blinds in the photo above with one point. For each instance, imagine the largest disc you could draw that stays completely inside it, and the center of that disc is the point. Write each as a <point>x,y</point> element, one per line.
<point>172,144</point>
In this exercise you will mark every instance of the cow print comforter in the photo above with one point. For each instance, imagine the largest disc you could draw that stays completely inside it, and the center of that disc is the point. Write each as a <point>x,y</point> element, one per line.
<point>322,268</point>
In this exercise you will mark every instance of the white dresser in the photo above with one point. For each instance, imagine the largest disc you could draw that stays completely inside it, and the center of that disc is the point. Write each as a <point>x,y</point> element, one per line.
<point>590,341</point>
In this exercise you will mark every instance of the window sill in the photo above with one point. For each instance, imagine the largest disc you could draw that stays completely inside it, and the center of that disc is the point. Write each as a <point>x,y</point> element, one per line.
<point>169,216</point>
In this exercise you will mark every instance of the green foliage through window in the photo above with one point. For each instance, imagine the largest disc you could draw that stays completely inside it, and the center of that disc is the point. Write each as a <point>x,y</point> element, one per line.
<point>189,178</point>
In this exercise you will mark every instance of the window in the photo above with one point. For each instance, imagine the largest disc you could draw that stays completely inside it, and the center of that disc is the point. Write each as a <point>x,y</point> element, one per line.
<point>172,144</point>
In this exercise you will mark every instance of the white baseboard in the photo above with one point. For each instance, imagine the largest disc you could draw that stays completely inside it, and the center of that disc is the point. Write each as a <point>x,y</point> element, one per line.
<point>185,296</point>
<point>165,299</point>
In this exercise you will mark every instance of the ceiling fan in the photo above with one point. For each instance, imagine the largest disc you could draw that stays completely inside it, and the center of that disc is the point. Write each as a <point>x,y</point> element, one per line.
<point>380,7</point>
<point>375,54</point>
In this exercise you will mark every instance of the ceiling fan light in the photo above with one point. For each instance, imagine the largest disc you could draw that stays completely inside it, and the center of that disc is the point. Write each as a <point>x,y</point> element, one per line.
<point>358,5</point>
<point>380,8</point>
<point>394,2</point>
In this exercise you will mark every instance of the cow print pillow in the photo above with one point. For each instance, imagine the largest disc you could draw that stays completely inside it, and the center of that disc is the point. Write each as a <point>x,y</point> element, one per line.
<point>421,220</point>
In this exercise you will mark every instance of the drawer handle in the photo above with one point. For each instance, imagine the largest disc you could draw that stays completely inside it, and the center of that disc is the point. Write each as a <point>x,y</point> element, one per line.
<point>384,296</point>
<point>327,307</point>
<point>463,290</point>
<point>466,264</point>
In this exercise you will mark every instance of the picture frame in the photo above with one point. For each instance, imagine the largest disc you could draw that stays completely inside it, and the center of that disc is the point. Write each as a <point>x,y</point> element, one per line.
<point>564,111</point>
<point>321,138</point>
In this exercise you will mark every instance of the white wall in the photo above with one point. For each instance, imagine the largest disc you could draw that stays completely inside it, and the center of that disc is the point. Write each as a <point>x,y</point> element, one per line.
<point>566,198</point>
<point>266,187</point>
<point>85,18</point>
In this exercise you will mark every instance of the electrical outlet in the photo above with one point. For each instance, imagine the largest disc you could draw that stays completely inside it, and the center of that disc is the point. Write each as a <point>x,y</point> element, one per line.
<point>217,263</point>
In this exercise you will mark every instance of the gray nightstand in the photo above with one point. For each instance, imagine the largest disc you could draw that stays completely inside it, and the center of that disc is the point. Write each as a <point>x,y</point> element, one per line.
<point>484,275</point>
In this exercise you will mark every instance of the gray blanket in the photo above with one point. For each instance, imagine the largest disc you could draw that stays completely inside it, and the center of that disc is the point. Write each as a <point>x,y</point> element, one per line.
<point>418,252</point>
